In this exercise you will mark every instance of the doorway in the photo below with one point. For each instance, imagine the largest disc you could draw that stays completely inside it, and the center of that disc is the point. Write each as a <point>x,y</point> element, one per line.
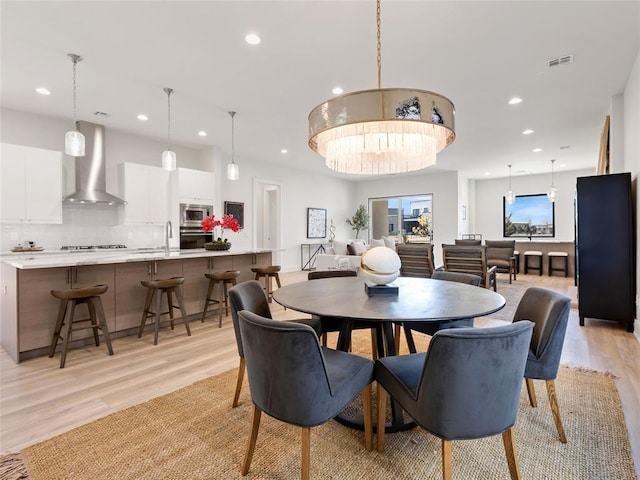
<point>267,217</point>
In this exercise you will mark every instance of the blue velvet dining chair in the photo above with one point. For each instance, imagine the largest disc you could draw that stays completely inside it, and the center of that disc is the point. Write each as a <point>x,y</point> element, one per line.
<point>465,386</point>
<point>296,380</point>
<point>549,311</point>
<point>252,297</point>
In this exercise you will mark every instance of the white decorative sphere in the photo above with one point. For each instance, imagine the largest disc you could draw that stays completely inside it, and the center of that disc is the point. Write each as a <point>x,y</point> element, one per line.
<point>380,265</point>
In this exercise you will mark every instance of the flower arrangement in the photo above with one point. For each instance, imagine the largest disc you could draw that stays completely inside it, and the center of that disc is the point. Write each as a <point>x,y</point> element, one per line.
<point>210,224</point>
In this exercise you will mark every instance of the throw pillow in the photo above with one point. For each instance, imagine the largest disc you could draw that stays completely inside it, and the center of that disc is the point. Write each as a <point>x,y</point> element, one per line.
<point>356,248</point>
<point>389,242</point>
<point>340,248</point>
<point>377,243</point>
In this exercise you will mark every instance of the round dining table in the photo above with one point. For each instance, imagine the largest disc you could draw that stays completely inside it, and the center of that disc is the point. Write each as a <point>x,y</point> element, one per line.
<point>416,300</point>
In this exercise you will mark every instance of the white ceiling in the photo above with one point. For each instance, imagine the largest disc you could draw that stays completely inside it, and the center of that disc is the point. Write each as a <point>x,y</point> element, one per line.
<point>477,53</point>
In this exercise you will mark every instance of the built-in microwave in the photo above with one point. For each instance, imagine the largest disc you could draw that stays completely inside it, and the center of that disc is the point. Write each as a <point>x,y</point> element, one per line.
<point>192,215</point>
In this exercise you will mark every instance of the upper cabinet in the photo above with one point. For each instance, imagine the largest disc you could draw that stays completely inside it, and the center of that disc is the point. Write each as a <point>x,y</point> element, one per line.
<point>195,186</point>
<point>31,181</point>
<point>146,191</point>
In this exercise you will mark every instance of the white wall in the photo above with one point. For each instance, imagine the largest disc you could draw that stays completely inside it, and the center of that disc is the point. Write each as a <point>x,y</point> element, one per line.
<point>443,186</point>
<point>489,204</point>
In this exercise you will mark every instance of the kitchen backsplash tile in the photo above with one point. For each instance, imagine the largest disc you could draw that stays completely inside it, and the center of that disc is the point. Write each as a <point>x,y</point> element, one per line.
<point>83,225</point>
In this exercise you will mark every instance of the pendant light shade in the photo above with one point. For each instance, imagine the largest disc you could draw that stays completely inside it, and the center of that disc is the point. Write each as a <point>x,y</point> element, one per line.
<point>552,193</point>
<point>73,139</point>
<point>169,156</point>
<point>510,196</point>
<point>382,131</point>
<point>233,171</point>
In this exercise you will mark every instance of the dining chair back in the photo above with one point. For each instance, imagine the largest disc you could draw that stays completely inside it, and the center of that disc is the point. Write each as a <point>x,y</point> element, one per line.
<point>466,386</point>
<point>251,296</point>
<point>500,254</point>
<point>295,380</point>
<point>416,259</point>
<point>469,242</point>
<point>469,259</point>
<point>549,311</point>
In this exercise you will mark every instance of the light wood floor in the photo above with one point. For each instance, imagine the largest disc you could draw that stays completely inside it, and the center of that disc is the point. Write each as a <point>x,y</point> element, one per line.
<point>39,400</point>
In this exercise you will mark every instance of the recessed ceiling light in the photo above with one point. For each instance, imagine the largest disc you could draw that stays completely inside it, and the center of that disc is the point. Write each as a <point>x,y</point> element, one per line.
<point>143,117</point>
<point>528,131</point>
<point>43,91</point>
<point>563,165</point>
<point>252,39</point>
<point>337,90</point>
<point>487,174</point>
<point>284,150</point>
<point>515,101</point>
<point>202,133</point>
<point>536,150</point>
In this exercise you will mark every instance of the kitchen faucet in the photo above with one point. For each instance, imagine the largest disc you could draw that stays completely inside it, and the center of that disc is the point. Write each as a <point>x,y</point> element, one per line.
<point>168,233</point>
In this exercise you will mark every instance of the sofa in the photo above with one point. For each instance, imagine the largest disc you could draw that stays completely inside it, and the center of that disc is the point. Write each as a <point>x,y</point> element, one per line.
<point>347,255</point>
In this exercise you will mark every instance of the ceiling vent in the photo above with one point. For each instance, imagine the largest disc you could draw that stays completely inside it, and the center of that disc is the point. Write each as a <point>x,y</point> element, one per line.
<point>102,114</point>
<point>564,60</point>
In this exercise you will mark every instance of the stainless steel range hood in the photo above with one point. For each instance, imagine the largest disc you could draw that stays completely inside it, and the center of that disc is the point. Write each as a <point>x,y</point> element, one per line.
<point>90,169</point>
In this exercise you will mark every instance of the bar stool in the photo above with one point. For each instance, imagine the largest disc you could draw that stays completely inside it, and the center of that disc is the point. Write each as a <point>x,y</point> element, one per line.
<point>532,254</point>
<point>73,297</point>
<point>268,273</point>
<point>224,279</point>
<point>168,287</point>
<point>565,262</point>
<point>516,254</point>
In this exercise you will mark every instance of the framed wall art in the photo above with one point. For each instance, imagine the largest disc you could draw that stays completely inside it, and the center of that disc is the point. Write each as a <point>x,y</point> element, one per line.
<point>237,210</point>
<point>316,222</point>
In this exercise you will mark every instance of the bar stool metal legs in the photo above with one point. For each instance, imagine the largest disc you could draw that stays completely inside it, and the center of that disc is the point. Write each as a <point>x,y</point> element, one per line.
<point>68,301</point>
<point>168,287</point>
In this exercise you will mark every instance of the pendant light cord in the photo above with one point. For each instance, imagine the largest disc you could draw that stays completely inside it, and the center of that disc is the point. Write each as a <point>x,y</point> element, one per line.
<point>75,63</point>
<point>509,177</point>
<point>552,182</point>
<point>168,91</point>
<point>379,46</point>
<point>232,137</point>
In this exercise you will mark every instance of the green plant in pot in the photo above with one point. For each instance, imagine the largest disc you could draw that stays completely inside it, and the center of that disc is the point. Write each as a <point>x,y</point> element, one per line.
<point>211,224</point>
<point>360,220</point>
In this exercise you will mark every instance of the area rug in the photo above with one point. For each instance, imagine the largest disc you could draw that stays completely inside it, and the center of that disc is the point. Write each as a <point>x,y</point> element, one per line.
<point>193,434</point>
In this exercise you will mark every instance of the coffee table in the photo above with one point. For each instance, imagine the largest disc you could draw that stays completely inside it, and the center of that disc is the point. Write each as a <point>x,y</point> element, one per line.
<point>418,299</point>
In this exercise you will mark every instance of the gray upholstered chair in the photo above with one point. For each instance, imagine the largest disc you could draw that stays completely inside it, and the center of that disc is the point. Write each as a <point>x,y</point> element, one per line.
<point>332,324</point>
<point>294,379</point>
<point>252,297</point>
<point>500,253</point>
<point>549,311</point>
<point>466,386</point>
<point>469,259</point>
<point>416,259</point>
<point>430,328</point>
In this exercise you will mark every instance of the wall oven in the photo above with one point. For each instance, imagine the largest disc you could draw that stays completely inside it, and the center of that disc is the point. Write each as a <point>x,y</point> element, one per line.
<point>192,215</point>
<point>192,237</point>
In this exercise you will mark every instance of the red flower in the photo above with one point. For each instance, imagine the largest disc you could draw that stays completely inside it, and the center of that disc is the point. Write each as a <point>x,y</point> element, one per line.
<point>210,223</point>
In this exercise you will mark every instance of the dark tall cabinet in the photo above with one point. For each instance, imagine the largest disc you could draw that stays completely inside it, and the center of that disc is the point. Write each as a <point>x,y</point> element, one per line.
<point>605,250</point>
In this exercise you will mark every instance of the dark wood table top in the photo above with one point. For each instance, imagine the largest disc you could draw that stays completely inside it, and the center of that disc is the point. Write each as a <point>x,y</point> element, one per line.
<point>418,299</point>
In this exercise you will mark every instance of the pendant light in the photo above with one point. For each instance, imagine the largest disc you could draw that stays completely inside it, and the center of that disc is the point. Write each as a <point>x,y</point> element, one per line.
<point>552,193</point>
<point>169,156</point>
<point>74,140</point>
<point>233,171</point>
<point>510,196</point>
<point>382,131</point>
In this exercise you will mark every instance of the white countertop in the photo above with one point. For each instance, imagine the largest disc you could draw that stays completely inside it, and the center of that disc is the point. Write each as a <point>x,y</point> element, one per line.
<point>51,259</point>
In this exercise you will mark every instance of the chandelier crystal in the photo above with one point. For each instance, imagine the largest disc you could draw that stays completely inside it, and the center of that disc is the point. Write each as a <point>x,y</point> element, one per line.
<point>73,139</point>
<point>382,131</point>
<point>169,156</point>
<point>510,196</point>
<point>552,193</point>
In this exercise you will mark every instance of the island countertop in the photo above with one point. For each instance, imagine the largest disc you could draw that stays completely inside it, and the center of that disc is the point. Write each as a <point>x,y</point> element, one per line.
<point>54,259</point>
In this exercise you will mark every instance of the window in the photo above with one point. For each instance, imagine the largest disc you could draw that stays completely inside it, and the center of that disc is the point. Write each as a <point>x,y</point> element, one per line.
<point>529,216</point>
<point>407,218</point>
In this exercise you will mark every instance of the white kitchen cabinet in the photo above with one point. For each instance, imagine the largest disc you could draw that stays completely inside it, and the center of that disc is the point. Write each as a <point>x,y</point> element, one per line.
<point>195,186</point>
<point>31,184</point>
<point>146,191</point>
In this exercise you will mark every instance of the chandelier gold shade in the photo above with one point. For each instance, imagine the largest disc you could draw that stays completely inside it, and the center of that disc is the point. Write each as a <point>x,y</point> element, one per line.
<point>382,131</point>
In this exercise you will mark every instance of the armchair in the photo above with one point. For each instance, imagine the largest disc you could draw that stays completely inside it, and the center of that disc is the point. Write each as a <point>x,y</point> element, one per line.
<point>500,254</point>
<point>416,259</point>
<point>466,386</point>
<point>469,259</point>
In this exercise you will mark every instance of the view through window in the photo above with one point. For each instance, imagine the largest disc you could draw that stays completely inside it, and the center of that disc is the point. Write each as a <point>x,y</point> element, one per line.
<point>529,216</point>
<point>405,219</point>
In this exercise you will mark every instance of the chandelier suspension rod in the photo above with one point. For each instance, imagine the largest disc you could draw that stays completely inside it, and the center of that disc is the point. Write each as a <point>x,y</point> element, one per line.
<point>379,46</point>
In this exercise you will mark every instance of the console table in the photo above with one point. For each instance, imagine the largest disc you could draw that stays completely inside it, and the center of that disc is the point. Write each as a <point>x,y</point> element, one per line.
<point>308,252</point>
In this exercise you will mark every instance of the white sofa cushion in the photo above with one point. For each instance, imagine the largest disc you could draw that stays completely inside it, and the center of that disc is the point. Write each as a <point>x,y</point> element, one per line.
<point>339,247</point>
<point>389,242</point>
<point>376,243</point>
<point>356,248</point>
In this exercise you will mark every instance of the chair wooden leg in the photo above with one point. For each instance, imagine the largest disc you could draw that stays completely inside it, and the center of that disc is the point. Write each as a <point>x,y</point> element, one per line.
<point>374,345</point>
<point>555,410</point>
<point>381,407</point>
<point>531,391</point>
<point>183,312</point>
<point>447,462</point>
<point>207,301</point>
<point>324,339</point>
<point>62,311</point>
<point>366,412</point>
<point>169,294</point>
<point>67,334</point>
<point>253,436</point>
<point>156,326</point>
<point>145,312</point>
<point>306,453</point>
<point>241,369</point>
<point>103,322</point>
<point>93,318</point>
<point>396,337</point>
<point>509,440</point>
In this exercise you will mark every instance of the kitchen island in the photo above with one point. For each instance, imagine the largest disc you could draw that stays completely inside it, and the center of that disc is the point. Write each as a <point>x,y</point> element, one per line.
<point>28,310</point>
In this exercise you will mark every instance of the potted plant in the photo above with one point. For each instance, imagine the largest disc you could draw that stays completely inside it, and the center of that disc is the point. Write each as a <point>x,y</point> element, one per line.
<point>360,220</point>
<point>210,224</point>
